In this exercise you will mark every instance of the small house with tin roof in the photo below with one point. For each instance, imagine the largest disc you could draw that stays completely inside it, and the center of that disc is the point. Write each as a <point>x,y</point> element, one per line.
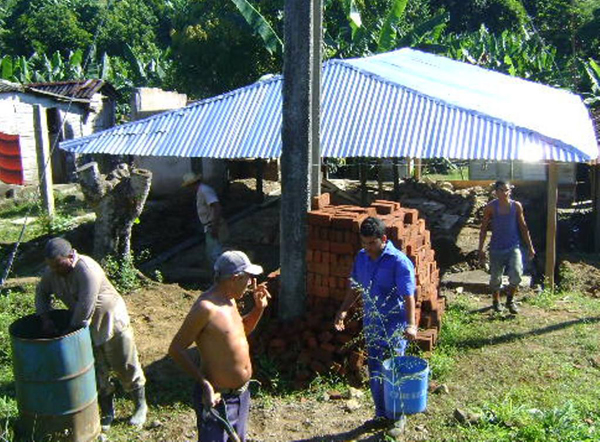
<point>72,108</point>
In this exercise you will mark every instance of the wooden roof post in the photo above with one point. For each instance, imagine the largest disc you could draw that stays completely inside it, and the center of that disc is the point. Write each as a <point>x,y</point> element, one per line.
<point>317,33</point>
<point>596,204</point>
<point>418,169</point>
<point>44,163</point>
<point>551,224</point>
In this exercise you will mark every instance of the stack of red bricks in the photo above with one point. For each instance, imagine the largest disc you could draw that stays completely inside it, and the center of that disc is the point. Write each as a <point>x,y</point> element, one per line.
<point>311,343</point>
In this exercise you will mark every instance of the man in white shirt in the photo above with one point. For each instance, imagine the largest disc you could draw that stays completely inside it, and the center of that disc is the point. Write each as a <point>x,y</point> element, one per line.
<point>210,214</point>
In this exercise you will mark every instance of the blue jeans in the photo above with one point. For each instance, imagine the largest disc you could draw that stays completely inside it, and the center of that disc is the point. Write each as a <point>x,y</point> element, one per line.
<point>235,407</point>
<point>214,249</point>
<point>377,353</point>
<point>512,261</point>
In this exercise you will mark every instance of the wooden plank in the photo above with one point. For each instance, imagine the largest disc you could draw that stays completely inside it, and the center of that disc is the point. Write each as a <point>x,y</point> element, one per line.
<point>551,224</point>
<point>44,156</point>
<point>596,202</point>
<point>418,169</point>
<point>328,186</point>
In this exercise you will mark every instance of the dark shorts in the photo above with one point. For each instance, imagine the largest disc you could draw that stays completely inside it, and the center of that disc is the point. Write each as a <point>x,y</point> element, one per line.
<point>235,407</point>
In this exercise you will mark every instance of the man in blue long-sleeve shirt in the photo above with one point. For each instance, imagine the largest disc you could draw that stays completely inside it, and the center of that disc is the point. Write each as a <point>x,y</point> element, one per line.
<point>386,279</point>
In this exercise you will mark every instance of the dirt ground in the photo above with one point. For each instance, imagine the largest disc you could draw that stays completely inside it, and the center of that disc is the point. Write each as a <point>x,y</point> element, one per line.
<point>156,313</point>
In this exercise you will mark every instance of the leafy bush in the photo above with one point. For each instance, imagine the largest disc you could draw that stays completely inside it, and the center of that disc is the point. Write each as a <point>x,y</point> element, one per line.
<point>122,273</point>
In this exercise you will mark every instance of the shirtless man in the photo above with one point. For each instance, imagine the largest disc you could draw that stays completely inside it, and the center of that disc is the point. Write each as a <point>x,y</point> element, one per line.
<point>221,396</point>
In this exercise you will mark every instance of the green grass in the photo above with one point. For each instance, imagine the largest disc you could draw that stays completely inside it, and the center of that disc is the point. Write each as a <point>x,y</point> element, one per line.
<point>66,209</point>
<point>13,305</point>
<point>529,377</point>
<point>452,175</point>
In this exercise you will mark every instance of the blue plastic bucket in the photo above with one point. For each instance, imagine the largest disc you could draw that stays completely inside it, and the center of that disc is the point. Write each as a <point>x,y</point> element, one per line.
<point>406,379</point>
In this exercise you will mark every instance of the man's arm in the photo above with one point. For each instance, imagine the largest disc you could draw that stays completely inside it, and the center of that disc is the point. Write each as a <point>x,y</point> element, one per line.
<point>485,222</point>
<point>406,286</point>
<point>524,230</point>
<point>192,326</point>
<point>88,283</point>
<point>43,303</point>
<point>216,212</point>
<point>349,300</point>
<point>261,300</point>
<point>411,328</point>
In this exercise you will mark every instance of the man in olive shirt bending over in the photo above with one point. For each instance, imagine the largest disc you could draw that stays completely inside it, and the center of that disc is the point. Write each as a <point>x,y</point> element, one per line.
<point>214,324</point>
<point>81,284</point>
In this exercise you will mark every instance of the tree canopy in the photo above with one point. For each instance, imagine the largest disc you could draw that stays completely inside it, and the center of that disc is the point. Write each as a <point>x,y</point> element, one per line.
<point>206,47</point>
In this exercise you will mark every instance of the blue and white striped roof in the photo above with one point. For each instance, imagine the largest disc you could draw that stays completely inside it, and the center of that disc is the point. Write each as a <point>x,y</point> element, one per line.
<point>403,103</point>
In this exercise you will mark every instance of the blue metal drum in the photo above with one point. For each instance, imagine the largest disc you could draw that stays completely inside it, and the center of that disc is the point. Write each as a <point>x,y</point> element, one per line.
<point>55,380</point>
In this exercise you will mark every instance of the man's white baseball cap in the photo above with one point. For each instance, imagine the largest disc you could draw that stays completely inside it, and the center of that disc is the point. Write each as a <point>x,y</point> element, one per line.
<point>233,262</point>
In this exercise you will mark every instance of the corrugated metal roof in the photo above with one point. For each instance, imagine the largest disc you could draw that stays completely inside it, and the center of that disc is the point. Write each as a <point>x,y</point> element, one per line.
<point>80,89</point>
<point>404,103</point>
<point>8,86</point>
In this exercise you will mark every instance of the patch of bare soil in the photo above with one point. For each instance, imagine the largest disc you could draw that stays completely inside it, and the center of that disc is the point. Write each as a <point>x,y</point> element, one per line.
<point>157,312</point>
<point>581,274</point>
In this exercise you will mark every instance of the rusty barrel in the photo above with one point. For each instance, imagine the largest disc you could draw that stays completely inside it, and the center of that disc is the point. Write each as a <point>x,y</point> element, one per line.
<point>55,381</point>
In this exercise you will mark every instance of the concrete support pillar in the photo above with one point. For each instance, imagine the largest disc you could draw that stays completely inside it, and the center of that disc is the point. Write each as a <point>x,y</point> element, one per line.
<point>296,156</point>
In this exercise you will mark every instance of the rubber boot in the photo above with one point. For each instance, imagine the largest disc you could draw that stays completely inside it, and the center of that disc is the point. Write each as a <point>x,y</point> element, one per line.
<point>107,411</point>
<point>510,305</point>
<point>141,408</point>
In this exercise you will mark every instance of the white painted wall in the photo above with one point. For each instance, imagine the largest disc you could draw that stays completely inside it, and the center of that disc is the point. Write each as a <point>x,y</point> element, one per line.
<point>167,172</point>
<point>495,170</point>
<point>16,118</point>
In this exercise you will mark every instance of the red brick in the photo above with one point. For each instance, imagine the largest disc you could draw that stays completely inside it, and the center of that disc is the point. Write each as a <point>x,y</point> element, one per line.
<point>424,342</point>
<point>322,292</point>
<point>303,375</point>
<point>319,202</point>
<point>353,326</point>
<point>319,245</point>
<point>383,209</point>
<point>309,255</point>
<point>322,355</point>
<point>304,357</point>
<point>319,218</point>
<point>317,256</point>
<point>322,268</point>
<point>356,360</point>
<point>329,348</point>
<point>341,248</point>
<point>318,367</point>
<point>410,215</point>
<point>339,369</point>
<point>344,222</point>
<point>325,336</point>
<point>394,204</point>
<point>342,338</point>
<point>338,294</point>
<point>332,282</point>
<point>340,270</point>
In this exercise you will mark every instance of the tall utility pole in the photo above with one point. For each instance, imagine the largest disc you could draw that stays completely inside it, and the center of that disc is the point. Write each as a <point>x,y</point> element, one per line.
<point>317,20</point>
<point>297,136</point>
